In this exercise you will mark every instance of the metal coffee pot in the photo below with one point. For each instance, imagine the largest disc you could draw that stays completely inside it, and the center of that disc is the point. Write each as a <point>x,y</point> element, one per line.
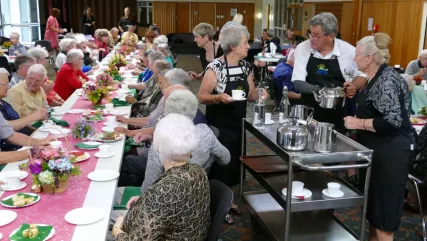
<point>292,136</point>
<point>330,98</point>
<point>302,112</point>
<point>324,137</point>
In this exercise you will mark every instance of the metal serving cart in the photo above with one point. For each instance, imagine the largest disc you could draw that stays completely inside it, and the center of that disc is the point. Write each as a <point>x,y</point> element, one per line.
<point>284,218</point>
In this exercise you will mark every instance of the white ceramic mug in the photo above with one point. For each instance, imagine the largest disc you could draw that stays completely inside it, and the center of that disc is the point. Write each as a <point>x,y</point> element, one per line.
<point>55,144</point>
<point>104,149</point>
<point>11,182</point>
<point>334,188</point>
<point>267,117</point>
<point>111,121</point>
<point>238,94</point>
<point>109,106</point>
<point>47,123</point>
<point>297,188</point>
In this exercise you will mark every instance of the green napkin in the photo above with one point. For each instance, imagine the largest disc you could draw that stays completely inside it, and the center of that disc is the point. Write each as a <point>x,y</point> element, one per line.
<point>82,145</point>
<point>133,92</point>
<point>101,107</point>
<point>118,78</point>
<point>9,201</point>
<point>116,102</point>
<point>44,231</point>
<point>130,142</point>
<point>37,124</point>
<point>59,122</point>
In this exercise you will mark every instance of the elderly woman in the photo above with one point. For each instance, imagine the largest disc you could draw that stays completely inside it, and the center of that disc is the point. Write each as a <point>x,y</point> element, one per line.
<point>151,216</point>
<point>164,49</point>
<point>70,77</point>
<point>224,74</point>
<point>52,28</point>
<point>22,64</point>
<point>101,39</point>
<point>114,37</point>
<point>40,54</point>
<point>64,46</point>
<point>209,50</point>
<point>149,39</point>
<point>28,96</point>
<point>383,125</point>
<point>17,123</point>
<point>16,48</point>
<point>129,37</point>
<point>162,39</point>
<point>142,68</point>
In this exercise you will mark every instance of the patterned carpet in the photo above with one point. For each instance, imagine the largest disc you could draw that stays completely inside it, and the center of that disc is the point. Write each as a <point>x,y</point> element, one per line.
<point>410,228</point>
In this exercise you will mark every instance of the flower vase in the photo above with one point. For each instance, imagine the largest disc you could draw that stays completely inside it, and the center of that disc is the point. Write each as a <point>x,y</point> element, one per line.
<point>62,187</point>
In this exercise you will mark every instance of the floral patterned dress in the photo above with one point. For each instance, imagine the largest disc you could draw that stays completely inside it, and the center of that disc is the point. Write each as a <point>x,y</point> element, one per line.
<point>51,35</point>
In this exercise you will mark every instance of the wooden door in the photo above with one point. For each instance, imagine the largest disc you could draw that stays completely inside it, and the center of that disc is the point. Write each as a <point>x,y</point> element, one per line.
<point>206,13</point>
<point>182,18</point>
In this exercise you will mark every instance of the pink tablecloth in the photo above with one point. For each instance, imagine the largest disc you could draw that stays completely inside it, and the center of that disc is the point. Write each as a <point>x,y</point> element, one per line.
<point>52,208</point>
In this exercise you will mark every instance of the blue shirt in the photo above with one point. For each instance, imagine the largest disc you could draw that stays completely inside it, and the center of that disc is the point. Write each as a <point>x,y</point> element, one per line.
<point>146,75</point>
<point>282,76</point>
<point>18,47</point>
<point>200,118</point>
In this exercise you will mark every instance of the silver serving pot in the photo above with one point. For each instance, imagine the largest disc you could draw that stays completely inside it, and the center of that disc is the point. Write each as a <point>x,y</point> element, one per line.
<point>302,112</point>
<point>292,136</point>
<point>324,137</point>
<point>330,98</point>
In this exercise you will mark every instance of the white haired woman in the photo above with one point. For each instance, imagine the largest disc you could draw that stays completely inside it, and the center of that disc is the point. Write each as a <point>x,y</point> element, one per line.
<point>383,125</point>
<point>70,77</point>
<point>65,45</point>
<point>175,139</point>
<point>16,48</point>
<point>209,49</point>
<point>224,74</point>
<point>164,49</point>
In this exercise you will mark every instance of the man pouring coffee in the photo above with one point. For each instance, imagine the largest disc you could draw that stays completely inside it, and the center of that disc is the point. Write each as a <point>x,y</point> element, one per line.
<point>325,61</point>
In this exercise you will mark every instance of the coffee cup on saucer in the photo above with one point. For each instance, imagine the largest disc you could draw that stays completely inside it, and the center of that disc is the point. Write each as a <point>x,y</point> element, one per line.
<point>47,124</point>
<point>104,150</point>
<point>56,110</point>
<point>11,182</point>
<point>111,121</point>
<point>55,144</point>
<point>238,94</point>
<point>109,106</point>
<point>334,189</point>
<point>297,188</point>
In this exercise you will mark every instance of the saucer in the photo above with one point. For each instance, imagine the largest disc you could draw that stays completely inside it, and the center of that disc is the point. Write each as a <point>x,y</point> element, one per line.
<point>21,186</point>
<point>237,99</point>
<point>307,193</point>
<point>58,113</point>
<point>269,122</point>
<point>326,193</point>
<point>99,155</point>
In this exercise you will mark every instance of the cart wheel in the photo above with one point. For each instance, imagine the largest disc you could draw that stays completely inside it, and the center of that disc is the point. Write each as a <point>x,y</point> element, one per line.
<point>255,225</point>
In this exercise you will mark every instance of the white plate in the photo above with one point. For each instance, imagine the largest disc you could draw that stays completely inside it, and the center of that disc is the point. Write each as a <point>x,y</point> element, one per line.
<point>307,193</point>
<point>118,112</point>
<point>108,141</point>
<point>28,193</point>
<point>21,174</point>
<point>235,99</point>
<point>6,217</point>
<point>85,215</point>
<point>326,193</point>
<point>76,111</point>
<point>48,129</point>
<point>107,129</point>
<point>99,155</point>
<point>91,143</point>
<point>60,133</point>
<point>52,232</point>
<point>87,156</point>
<point>115,125</point>
<point>58,113</point>
<point>123,91</point>
<point>21,186</point>
<point>103,175</point>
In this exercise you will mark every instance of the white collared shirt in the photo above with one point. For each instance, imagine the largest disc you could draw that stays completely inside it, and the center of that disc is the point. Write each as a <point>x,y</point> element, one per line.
<point>343,51</point>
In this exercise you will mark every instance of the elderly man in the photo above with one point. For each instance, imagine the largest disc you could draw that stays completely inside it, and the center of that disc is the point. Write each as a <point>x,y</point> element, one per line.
<point>126,20</point>
<point>325,61</point>
<point>16,48</point>
<point>29,96</point>
<point>418,66</point>
<point>114,37</point>
<point>22,64</point>
<point>70,77</point>
<point>64,46</point>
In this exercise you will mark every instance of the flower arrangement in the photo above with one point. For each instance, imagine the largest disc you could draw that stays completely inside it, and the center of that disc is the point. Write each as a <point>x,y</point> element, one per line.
<point>51,168</point>
<point>83,129</point>
<point>118,61</point>
<point>128,44</point>
<point>97,93</point>
<point>104,79</point>
<point>7,44</point>
<point>113,70</point>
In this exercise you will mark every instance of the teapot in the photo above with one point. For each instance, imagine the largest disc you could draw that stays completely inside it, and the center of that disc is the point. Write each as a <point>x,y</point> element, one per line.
<point>330,98</point>
<point>292,136</point>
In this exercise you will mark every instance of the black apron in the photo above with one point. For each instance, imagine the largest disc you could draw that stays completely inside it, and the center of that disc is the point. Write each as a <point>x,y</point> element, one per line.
<point>228,119</point>
<point>325,73</point>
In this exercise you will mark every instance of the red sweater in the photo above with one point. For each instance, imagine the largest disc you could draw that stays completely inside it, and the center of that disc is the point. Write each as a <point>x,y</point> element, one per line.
<point>67,81</point>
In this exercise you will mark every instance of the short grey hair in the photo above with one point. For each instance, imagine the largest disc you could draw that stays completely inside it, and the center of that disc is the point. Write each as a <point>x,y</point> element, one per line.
<point>4,73</point>
<point>204,29</point>
<point>14,35</point>
<point>163,46</point>
<point>38,53</point>
<point>182,102</point>
<point>114,29</point>
<point>231,37</point>
<point>37,69</point>
<point>23,59</point>
<point>161,65</point>
<point>327,21</point>
<point>80,38</point>
<point>161,39</point>
<point>74,55</point>
<point>65,43</point>
<point>423,52</point>
<point>99,33</point>
<point>148,52</point>
<point>175,138</point>
<point>155,55</point>
<point>178,77</point>
<point>163,72</point>
<point>269,32</point>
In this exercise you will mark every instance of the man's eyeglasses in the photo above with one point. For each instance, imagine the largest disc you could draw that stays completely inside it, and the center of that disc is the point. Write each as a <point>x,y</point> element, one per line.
<point>316,38</point>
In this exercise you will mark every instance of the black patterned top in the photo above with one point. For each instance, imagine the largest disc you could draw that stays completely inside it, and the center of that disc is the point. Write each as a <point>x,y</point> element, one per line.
<point>176,207</point>
<point>236,73</point>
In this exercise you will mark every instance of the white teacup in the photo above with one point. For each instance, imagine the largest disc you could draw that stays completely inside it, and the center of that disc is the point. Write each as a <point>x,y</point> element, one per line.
<point>104,149</point>
<point>55,144</point>
<point>109,106</point>
<point>47,124</point>
<point>238,94</point>
<point>334,188</point>
<point>111,121</point>
<point>125,86</point>
<point>56,109</point>
<point>297,188</point>
<point>11,182</point>
<point>267,117</point>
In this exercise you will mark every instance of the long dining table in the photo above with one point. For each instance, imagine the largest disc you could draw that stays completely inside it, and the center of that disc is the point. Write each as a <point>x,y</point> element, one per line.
<point>81,192</point>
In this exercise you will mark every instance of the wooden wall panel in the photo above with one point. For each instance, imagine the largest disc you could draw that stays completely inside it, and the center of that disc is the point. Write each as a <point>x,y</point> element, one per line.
<point>335,8</point>
<point>308,11</point>
<point>164,16</point>
<point>246,9</point>
<point>182,17</point>
<point>393,19</point>
<point>346,22</point>
<point>202,13</point>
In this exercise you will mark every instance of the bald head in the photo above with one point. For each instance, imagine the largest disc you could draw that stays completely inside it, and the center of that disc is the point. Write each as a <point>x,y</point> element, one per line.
<point>423,58</point>
<point>171,89</point>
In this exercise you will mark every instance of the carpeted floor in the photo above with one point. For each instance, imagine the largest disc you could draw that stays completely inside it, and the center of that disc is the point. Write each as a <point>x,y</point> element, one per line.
<point>410,228</point>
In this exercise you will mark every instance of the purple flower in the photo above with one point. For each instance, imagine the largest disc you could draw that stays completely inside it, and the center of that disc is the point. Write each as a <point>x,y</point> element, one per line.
<point>35,168</point>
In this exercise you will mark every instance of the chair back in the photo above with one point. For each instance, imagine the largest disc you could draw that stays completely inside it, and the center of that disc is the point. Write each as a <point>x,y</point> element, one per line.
<point>221,200</point>
<point>44,43</point>
<point>4,63</point>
